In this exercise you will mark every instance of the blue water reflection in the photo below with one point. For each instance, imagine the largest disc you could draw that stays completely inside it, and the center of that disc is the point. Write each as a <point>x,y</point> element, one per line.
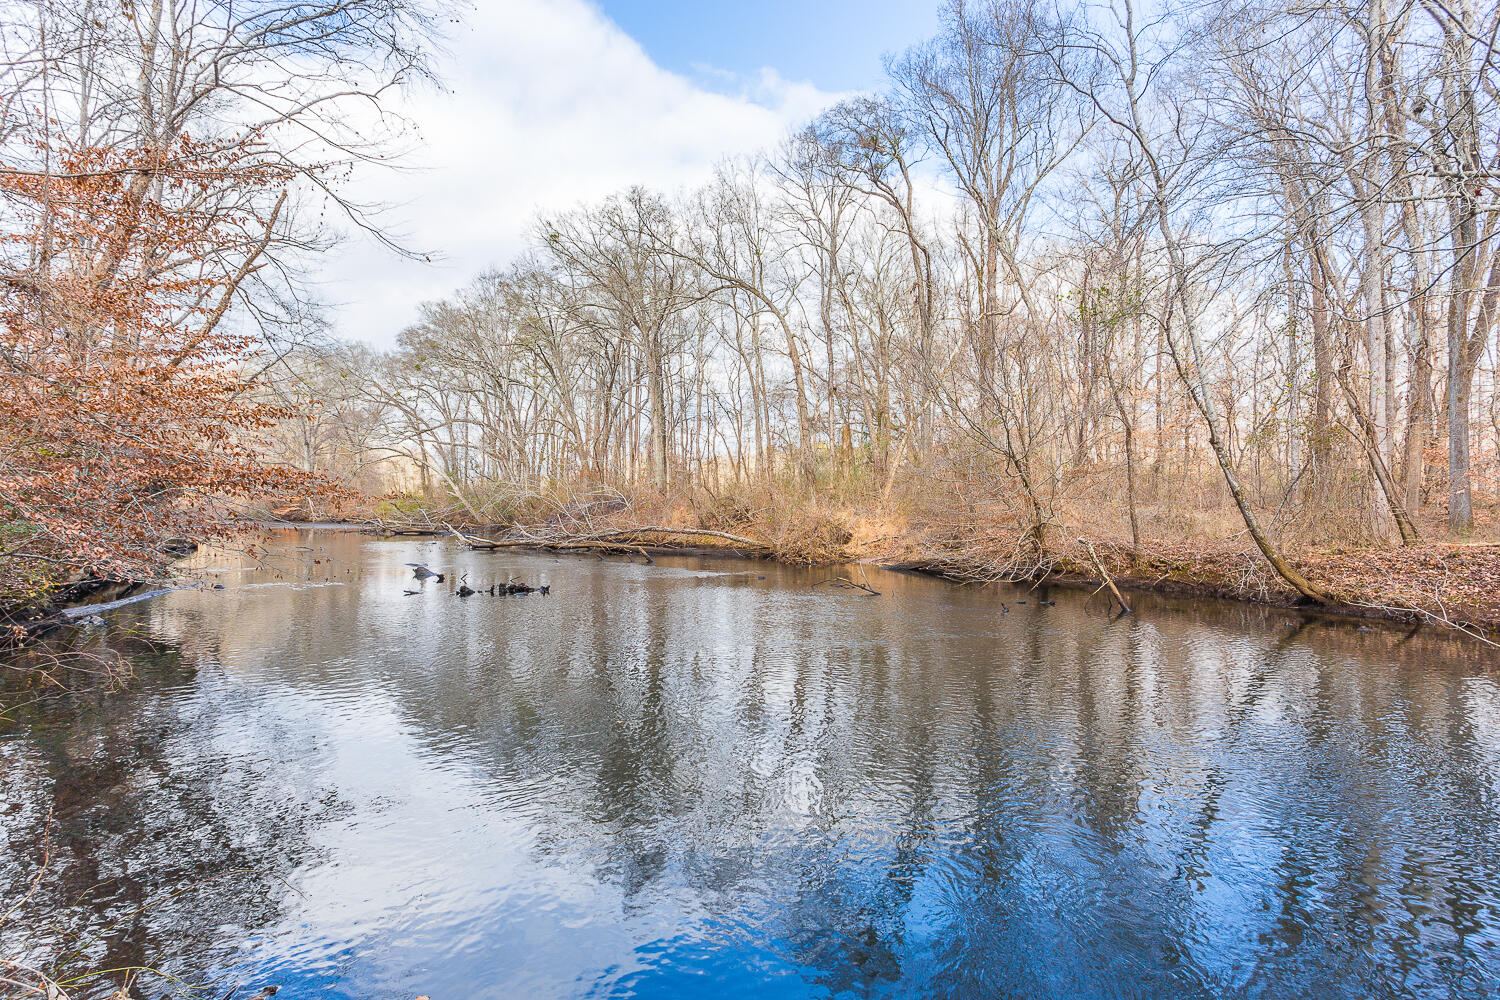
<point>715,779</point>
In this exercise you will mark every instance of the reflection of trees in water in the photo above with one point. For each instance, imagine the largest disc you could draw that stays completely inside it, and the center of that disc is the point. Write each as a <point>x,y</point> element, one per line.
<point>1173,807</point>
<point>1047,804</point>
<point>159,841</point>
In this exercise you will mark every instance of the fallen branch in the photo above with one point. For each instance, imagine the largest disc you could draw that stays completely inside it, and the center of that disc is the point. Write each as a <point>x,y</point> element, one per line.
<point>1421,614</point>
<point>844,583</point>
<point>689,532</point>
<point>472,541</point>
<point>591,547</point>
<point>93,609</point>
<point>564,544</point>
<point>619,540</point>
<point>1099,565</point>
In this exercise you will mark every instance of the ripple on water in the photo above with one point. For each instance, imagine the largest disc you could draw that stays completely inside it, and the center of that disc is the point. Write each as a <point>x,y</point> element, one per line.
<point>686,780</point>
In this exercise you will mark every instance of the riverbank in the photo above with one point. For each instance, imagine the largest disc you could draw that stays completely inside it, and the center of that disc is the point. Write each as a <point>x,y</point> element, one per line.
<point>1455,586</point>
<point>316,780</point>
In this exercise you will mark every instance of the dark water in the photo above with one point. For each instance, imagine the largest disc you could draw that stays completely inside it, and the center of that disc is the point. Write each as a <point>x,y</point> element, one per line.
<point>713,778</point>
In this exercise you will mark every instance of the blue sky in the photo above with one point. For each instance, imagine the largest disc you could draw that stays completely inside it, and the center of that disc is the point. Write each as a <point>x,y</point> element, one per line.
<point>547,104</point>
<point>836,44</point>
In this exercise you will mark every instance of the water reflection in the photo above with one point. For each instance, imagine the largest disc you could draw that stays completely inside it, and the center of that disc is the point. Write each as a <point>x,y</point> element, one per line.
<point>713,777</point>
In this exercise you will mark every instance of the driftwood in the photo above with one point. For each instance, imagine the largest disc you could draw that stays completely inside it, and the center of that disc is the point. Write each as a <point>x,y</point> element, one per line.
<point>844,583</point>
<point>487,544</point>
<point>383,527</point>
<point>596,547</point>
<point>83,611</point>
<point>841,583</point>
<point>1109,581</point>
<point>740,540</point>
<point>625,540</point>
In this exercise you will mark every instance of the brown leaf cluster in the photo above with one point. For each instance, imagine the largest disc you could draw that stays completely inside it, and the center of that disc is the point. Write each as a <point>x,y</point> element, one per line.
<point>124,416</point>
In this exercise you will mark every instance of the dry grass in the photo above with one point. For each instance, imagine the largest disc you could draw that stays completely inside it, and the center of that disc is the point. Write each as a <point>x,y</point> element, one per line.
<point>958,515</point>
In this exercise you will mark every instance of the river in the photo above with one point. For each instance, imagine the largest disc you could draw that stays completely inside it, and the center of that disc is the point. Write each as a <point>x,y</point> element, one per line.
<point>732,779</point>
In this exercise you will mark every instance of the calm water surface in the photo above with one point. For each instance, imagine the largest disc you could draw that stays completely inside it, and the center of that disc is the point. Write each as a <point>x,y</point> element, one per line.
<point>717,778</point>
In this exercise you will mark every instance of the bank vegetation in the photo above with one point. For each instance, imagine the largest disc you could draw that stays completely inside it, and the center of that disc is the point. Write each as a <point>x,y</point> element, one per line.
<point>1205,296</point>
<point>1213,291</point>
<point>167,173</point>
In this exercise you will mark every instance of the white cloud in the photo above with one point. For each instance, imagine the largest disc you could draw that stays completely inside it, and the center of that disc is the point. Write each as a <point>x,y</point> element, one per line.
<point>549,104</point>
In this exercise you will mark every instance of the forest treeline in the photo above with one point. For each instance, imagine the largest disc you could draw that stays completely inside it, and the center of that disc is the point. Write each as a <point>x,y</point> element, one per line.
<point>1094,267</point>
<point>1217,275</point>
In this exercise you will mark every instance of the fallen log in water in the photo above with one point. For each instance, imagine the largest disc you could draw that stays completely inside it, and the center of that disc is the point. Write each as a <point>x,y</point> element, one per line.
<point>627,540</point>
<point>474,541</point>
<point>85,610</point>
<point>486,544</point>
<point>739,540</point>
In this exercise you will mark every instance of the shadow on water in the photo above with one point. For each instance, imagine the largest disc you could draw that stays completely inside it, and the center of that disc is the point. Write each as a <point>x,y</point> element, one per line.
<point>713,777</point>
<point>123,832</point>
